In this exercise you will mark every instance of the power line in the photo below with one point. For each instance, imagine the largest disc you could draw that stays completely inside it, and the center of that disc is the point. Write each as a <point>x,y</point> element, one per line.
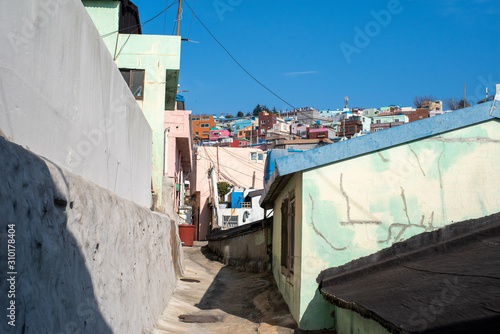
<point>141,24</point>
<point>191,24</point>
<point>234,59</point>
<point>165,20</point>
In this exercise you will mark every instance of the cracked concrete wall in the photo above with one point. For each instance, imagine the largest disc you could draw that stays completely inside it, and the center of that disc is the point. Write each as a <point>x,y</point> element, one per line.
<point>359,206</point>
<point>87,261</point>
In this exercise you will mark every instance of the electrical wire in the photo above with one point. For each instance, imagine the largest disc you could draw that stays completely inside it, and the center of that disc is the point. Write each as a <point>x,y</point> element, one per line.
<point>241,159</point>
<point>223,173</point>
<point>142,24</point>
<point>119,52</point>
<point>234,59</point>
<point>224,166</point>
<point>191,24</point>
<point>165,20</point>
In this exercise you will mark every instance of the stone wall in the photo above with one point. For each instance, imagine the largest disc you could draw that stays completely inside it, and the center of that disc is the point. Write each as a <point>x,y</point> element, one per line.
<point>246,247</point>
<point>86,260</point>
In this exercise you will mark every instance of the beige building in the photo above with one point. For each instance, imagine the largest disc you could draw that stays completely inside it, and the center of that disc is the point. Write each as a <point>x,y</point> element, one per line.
<point>433,106</point>
<point>240,167</point>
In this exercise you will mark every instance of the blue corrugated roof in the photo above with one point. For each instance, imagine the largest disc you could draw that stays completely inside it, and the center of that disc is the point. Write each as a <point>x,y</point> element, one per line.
<point>378,141</point>
<point>387,138</point>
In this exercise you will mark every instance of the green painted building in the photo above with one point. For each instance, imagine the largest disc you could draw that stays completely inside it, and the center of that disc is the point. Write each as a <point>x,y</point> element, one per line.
<point>350,199</point>
<point>150,65</point>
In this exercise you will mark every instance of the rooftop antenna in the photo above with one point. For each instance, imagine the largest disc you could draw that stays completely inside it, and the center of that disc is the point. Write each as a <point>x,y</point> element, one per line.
<point>465,99</point>
<point>346,100</point>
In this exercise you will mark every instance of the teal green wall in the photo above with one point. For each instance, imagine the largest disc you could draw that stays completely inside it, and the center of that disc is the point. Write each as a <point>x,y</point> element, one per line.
<point>156,55</point>
<point>105,17</point>
<point>359,206</point>
<point>350,322</point>
<point>153,53</point>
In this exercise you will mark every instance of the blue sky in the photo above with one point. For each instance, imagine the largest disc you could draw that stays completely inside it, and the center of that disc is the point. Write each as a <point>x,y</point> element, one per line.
<point>315,52</point>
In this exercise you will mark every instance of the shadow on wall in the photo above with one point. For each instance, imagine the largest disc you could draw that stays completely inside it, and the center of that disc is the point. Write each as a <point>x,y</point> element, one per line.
<point>50,287</point>
<point>319,308</point>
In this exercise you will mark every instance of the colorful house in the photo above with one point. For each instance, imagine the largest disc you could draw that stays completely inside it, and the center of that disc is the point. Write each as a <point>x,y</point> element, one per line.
<point>340,202</point>
<point>201,126</point>
<point>218,134</point>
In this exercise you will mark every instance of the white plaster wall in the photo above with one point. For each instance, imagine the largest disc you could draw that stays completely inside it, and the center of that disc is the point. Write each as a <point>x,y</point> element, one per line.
<point>87,261</point>
<point>62,97</point>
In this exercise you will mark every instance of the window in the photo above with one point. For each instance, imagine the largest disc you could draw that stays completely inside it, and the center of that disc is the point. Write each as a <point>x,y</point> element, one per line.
<point>263,122</point>
<point>204,125</point>
<point>229,221</point>
<point>287,235</point>
<point>263,131</point>
<point>195,118</point>
<point>206,118</point>
<point>197,133</point>
<point>205,133</point>
<point>396,120</point>
<point>246,204</point>
<point>351,128</point>
<point>256,157</point>
<point>135,81</point>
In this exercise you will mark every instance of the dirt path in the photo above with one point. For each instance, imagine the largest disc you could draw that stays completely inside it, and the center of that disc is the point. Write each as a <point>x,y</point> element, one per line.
<point>243,302</point>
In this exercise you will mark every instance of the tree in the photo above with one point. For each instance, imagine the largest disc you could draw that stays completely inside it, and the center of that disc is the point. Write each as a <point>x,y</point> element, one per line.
<point>229,116</point>
<point>454,104</point>
<point>239,114</point>
<point>275,111</point>
<point>417,100</point>
<point>248,114</point>
<point>257,110</point>
<point>223,188</point>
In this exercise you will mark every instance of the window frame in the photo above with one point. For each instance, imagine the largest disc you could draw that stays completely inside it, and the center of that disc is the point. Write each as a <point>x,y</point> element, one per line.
<point>288,208</point>
<point>129,82</point>
<point>230,221</point>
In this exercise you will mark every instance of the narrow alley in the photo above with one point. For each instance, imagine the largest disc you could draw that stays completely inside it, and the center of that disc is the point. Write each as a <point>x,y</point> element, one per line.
<point>240,302</point>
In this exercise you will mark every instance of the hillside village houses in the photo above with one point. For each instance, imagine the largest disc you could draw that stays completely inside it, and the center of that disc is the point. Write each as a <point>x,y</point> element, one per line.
<point>119,174</point>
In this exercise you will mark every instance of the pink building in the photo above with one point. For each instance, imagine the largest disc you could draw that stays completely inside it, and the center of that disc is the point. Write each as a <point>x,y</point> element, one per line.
<point>178,155</point>
<point>215,135</point>
<point>240,167</point>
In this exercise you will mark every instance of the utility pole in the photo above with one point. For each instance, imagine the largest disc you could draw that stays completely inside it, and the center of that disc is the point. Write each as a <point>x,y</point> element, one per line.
<point>179,17</point>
